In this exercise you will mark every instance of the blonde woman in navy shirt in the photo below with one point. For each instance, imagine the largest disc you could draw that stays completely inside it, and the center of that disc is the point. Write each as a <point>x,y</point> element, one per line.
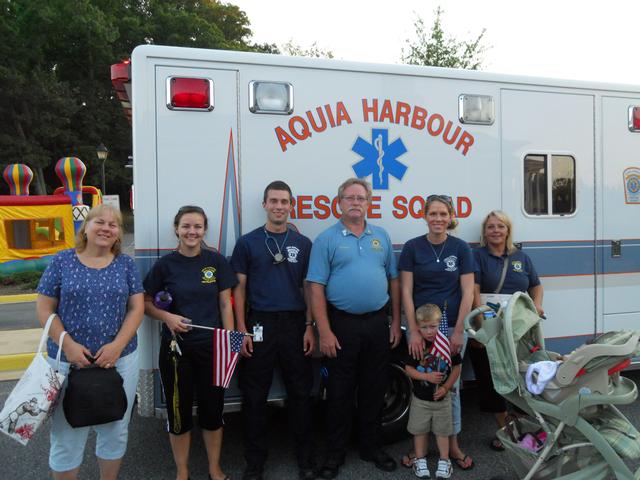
<point>496,249</point>
<point>438,268</point>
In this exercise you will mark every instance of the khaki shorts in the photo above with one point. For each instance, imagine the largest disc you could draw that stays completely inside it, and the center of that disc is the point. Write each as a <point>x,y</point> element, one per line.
<point>425,417</point>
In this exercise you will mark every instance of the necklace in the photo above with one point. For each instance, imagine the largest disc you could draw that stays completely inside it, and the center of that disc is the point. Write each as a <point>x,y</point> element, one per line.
<point>437,255</point>
<point>277,257</point>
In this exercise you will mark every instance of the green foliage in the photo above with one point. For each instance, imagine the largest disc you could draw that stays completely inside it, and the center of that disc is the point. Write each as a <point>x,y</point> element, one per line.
<point>436,49</point>
<point>25,280</point>
<point>56,95</point>
<point>314,51</point>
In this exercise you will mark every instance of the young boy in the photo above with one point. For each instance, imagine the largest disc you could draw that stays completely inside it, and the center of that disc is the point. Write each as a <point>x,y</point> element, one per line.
<point>433,377</point>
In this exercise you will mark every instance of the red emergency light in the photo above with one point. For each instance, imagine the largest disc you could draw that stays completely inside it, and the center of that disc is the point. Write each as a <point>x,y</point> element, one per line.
<point>634,118</point>
<point>190,93</point>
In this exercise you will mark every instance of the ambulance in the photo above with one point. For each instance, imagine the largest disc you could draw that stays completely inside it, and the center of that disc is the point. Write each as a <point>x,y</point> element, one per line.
<point>561,157</point>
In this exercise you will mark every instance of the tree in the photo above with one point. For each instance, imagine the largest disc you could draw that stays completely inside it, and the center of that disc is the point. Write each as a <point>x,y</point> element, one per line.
<point>438,50</point>
<point>314,51</point>
<point>56,97</point>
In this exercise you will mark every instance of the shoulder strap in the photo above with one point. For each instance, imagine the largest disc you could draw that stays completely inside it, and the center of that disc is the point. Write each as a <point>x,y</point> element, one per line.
<point>503,275</point>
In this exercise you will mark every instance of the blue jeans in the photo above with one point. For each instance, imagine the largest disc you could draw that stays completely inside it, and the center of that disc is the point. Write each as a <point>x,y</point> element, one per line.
<point>455,397</point>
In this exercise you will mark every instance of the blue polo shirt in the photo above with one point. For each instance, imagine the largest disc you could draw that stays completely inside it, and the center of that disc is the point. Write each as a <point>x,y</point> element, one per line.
<point>273,287</point>
<point>520,277</point>
<point>437,282</point>
<point>354,270</point>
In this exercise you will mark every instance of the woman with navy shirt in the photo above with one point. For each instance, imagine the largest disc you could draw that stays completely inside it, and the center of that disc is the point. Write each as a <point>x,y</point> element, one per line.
<point>495,254</point>
<point>199,281</point>
<point>438,268</point>
<point>96,294</point>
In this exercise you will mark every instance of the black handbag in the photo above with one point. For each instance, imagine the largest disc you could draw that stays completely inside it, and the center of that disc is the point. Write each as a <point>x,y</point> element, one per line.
<point>94,396</point>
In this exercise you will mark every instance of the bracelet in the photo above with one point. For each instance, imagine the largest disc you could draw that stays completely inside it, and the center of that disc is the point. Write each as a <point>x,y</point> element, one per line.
<point>310,323</point>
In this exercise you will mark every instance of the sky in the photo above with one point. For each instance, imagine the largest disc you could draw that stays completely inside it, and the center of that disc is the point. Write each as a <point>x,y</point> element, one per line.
<point>585,40</point>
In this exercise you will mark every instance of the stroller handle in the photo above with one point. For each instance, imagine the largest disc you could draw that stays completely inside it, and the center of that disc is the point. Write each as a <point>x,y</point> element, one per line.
<point>471,332</point>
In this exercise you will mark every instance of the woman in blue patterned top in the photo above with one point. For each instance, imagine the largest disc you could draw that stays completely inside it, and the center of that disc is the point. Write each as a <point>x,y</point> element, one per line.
<point>96,292</point>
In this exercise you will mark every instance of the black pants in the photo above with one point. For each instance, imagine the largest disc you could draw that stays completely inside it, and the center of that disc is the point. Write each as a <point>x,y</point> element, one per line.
<point>283,333</point>
<point>194,375</point>
<point>362,363</point>
<point>488,399</point>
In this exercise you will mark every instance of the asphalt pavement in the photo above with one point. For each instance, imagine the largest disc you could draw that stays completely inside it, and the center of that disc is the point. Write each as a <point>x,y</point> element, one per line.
<point>18,316</point>
<point>149,454</point>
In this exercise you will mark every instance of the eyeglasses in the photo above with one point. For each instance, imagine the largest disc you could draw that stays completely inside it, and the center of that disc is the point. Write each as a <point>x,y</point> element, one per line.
<point>440,197</point>
<point>354,198</point>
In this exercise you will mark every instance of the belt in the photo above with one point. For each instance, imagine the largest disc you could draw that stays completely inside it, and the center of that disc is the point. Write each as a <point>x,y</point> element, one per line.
<point>332,308</point>
<point>282,314</point>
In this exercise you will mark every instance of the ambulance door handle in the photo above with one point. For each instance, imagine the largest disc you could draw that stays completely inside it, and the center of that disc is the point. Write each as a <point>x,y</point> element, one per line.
<point>616,248</point>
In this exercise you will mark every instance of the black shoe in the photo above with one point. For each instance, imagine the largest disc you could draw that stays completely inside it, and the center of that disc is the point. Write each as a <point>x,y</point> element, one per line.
<point>252,472</point>
<point>306,473</point>
<point>331,466</point>
<point>381,460</point>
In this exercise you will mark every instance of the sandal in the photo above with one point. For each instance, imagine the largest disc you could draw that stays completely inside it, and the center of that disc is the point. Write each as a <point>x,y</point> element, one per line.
<point>464,463</point>
<point>496,445</point>
<point>408,459</point>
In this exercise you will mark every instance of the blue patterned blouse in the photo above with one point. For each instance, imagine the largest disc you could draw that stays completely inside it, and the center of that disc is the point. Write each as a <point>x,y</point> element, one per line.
<point>92,302</point>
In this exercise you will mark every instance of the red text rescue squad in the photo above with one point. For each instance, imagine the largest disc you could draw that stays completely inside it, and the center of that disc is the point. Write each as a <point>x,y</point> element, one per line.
<point>307,207</point>
<point>301,127</point>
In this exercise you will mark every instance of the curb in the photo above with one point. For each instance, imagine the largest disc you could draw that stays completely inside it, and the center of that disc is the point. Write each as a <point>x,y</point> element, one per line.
<point>22,298</point>
<point>18,361</point>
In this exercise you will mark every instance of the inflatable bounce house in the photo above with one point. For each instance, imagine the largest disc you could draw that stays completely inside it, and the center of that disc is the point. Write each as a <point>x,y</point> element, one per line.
<point>34,227</point>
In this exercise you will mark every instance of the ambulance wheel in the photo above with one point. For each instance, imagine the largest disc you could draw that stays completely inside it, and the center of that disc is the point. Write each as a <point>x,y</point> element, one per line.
<point>395,412</point>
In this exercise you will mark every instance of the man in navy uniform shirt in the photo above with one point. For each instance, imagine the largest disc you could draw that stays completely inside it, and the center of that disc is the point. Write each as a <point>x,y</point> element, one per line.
<point>271,263</point>
<point>351,272</point>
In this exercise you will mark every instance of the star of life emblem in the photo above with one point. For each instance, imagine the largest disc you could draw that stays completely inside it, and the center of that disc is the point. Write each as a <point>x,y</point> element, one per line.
<point>379,158</point>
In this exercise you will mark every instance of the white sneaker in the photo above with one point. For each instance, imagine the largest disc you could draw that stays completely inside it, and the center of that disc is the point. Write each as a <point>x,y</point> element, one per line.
<point>444,469</point>
<point>420,468</point>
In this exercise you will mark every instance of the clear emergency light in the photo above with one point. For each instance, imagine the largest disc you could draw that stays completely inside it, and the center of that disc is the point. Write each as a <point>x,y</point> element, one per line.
<point>634,119</point>
<point>476,109</point>
<point>271,97</point>
<point>190,94</point>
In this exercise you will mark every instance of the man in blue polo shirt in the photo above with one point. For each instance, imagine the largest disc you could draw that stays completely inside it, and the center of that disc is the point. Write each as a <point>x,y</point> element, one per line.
<point>271,263</point>
<point>351,272</point>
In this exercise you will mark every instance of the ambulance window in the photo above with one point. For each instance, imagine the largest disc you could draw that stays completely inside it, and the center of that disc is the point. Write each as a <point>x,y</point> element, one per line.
<point>549,180</point>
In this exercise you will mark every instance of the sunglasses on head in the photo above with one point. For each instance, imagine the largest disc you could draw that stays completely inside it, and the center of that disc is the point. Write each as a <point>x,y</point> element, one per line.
<point>442,198</point>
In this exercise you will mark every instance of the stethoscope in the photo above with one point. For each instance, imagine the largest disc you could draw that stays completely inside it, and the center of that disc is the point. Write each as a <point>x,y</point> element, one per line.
<point>278,257</point>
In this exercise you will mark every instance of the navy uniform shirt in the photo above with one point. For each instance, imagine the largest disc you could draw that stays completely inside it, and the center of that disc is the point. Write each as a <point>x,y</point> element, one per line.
<point>194,284</point>
<point>354,270</point>
<point>437,282</point>
<point>273,287</point>
<point>520,277</point>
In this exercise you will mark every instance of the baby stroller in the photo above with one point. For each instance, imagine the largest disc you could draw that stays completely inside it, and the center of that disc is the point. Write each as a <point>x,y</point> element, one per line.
<point>578,432</point>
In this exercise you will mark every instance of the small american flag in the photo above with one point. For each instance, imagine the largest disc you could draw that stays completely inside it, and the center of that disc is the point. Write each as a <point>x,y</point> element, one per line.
<point>226,350</point>
<point>444,323</point>
<point>441,347</point>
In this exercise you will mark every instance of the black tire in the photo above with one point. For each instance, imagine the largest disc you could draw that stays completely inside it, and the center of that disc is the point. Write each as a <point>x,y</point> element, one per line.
<point>395,413</point>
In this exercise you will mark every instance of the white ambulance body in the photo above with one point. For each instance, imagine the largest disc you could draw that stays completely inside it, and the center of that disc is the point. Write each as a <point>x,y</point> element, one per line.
<point>562,158</point>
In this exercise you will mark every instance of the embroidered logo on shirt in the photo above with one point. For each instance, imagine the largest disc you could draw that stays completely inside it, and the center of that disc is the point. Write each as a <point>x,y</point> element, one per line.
<point>208,275</point>
<point>517,266</point>
<point>376,244</point>
<point>292,254</point>
<point>451,263</point>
